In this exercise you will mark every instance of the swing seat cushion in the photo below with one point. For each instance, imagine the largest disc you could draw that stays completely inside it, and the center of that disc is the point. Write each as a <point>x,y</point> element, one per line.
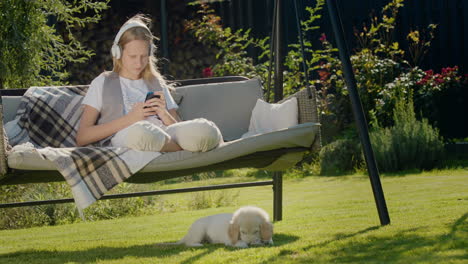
<point>301,136</point>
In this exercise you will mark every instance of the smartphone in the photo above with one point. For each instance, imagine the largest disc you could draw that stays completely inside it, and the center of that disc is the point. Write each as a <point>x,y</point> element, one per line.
<point>150,95</point>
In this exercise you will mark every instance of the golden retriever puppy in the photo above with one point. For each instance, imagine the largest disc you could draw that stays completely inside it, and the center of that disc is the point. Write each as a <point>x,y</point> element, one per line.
<point>247,226</point>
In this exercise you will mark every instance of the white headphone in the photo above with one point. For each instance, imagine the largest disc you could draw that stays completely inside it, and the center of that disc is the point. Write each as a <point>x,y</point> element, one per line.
<point>116,50</point>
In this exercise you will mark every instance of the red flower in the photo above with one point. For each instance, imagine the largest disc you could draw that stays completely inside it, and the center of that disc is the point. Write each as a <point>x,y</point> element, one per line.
<point>323,75</point>
<point>422,82</point>
<point>429,72</point>
<point>177,40</point>
<point>448,70</point>
<point>207,72</point>
<point>439,79</point>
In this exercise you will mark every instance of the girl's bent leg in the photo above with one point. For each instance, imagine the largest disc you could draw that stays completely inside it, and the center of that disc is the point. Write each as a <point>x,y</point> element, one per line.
<point>198,135</point>
<point>144,136</point>
<point>171,146</point>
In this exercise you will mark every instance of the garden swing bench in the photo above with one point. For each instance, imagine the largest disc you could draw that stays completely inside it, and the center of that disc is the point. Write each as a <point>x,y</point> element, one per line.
<point>234,98</point>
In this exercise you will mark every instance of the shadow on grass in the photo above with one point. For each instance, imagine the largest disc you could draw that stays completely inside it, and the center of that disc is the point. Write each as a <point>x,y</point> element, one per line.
<point>320,245</point>
<point>115,253</point>
<point>283,239</point>
<point>279,240</point>
<point>406,246</point>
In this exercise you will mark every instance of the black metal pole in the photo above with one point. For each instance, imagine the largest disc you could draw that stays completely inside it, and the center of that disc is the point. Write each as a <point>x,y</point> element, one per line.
<point>301,41</point>
<point>277,196</point>
<point>279,51</point>
<point>279,45</point>
<point>358,113</point>
<point>272,47</point>
<point>164,36</point>
<point>147,193</point>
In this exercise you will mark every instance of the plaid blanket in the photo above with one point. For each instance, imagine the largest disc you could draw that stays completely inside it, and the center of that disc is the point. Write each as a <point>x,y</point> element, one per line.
<point>48,118</point>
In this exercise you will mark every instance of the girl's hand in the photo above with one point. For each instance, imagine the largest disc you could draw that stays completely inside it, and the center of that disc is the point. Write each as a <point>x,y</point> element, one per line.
<point>158,105</point>
<point>140,112</point>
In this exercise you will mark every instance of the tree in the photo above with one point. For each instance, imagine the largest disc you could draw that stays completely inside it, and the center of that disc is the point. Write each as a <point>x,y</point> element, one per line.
<point>32,51</point>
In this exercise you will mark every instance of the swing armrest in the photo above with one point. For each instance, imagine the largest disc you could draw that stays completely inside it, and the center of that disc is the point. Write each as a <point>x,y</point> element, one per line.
<point>308,111</point>
<point>3,144</point>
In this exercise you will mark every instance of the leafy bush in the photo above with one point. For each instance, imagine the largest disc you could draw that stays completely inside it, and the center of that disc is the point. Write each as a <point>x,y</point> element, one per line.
<point>376,62</point>
<point>22,217</point>
<point>233,59</point>
<point>441,98</point>
<point>31,50</point>
<point>54,214</point>
<point>203,200</point>
<point>409,144</point>
<point>381,70</point>
<point>340,156</point>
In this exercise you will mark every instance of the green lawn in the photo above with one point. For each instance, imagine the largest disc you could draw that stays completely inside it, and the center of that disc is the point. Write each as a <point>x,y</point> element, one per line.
<point>326,220</point>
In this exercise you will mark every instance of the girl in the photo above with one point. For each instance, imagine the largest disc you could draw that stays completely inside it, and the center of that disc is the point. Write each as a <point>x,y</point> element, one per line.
<point>115,111</point>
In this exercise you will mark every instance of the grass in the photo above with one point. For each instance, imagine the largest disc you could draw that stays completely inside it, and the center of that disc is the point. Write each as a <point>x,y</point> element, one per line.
<point>326,220</point>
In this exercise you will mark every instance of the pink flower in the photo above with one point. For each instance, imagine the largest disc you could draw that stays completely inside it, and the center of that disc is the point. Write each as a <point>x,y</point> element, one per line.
<point>207,72</point>
<point>323,37</point>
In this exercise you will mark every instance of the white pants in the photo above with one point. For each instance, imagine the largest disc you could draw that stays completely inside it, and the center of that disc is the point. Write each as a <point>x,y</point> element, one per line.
<point>197,135</point>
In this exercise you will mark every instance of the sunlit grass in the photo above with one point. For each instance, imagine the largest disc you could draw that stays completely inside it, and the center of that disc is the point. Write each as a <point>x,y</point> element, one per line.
<point>326,220</point>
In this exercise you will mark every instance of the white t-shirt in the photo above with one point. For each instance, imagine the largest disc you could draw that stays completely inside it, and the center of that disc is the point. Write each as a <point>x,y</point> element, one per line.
<point>133,91</point>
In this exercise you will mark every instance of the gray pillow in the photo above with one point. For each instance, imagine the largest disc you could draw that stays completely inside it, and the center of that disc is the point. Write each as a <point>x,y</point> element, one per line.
<point>229,105</point>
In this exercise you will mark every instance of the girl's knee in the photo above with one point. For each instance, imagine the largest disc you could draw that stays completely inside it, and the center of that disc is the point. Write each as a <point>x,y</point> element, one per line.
<point>171,146</point>
<point>146,136</point>
<point>198,135</point>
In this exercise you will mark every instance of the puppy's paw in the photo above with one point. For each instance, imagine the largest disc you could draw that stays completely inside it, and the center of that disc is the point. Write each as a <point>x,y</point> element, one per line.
<point>268,242</point>
<point>241,244</point>
<point>257,243</point>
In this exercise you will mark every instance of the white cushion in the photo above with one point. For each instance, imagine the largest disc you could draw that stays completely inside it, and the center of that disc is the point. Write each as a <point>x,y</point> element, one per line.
<point>268,117</point>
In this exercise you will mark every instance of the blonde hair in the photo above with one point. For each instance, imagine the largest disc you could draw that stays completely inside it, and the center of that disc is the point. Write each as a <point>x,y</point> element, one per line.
<point>150,72</point>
